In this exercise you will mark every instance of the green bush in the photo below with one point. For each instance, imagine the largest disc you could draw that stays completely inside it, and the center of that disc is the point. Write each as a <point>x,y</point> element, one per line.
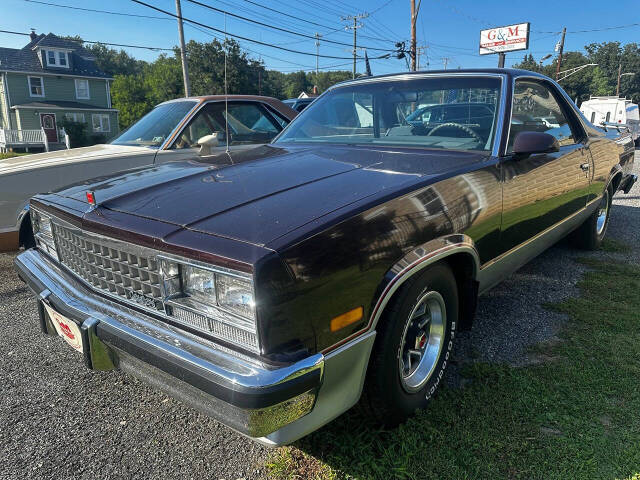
<point>77,131</point>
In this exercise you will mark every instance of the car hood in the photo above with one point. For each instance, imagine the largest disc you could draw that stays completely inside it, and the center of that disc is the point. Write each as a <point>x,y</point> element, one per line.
<point>259,195</point>
<point>40,160</point>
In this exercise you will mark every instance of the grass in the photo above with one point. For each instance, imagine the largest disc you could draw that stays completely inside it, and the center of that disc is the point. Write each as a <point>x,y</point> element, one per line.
<point>574,416</point>
<point>10,155</point>
<point>613,246</point>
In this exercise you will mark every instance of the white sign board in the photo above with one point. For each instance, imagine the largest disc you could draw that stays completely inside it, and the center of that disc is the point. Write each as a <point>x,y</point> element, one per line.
<point>504,39</point>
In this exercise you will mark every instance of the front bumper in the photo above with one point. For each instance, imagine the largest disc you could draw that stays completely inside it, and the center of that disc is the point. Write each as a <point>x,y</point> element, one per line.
<point>272,405</point>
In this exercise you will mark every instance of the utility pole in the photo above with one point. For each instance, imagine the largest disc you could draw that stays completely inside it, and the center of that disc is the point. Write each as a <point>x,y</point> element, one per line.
<point>413,48</point>
<point>183,53</point>
<point>445,60</point>
<point>620,75</point>
<point>317,54</point>
<point>419,52</point>
<point>501,58</point>
<point>560,50</point>
<point>355,28</point>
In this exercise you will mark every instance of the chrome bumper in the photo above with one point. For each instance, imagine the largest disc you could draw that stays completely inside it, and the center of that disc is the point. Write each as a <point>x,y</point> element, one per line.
<point>274,406</point>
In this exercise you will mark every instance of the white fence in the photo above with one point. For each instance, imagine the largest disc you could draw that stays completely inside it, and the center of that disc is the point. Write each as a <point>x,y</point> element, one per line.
<point>28,138</point>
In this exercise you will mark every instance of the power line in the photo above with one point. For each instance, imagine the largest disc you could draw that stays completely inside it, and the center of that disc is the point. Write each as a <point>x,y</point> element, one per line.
<point>96,11</point>
<point>380,7</point>
<point>288,15</point>
<point>249,50</point>
<point>233,34</point>
<point>603,29</point>
<point>196,2</point>
<point>103,43</point>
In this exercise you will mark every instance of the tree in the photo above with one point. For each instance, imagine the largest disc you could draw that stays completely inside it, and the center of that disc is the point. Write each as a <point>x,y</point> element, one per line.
<point>600,83</point>
<point>163,79</point>
<point>207,63</point>
<point>115,62</point>
<point>131,97</point>
<point>528,63</point>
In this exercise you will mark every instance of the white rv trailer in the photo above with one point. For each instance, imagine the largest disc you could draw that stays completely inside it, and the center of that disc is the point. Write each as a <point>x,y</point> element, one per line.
<point>616,110</point>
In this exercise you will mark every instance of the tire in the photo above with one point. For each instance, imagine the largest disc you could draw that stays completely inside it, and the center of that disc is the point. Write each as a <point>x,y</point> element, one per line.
<point>26,235</point>
<point>392,392</point>
<point>591,233</point>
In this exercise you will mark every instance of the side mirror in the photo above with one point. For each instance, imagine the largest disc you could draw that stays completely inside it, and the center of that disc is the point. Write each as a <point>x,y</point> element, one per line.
<point>208,142</point>
<point>527,143</point>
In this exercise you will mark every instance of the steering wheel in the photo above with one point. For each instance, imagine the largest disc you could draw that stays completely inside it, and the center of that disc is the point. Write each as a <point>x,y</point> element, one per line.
<point>464,128</point>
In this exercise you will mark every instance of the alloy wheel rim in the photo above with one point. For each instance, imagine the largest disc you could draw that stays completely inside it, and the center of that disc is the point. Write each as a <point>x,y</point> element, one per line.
<point>603,212</point>
<point>422,341</point>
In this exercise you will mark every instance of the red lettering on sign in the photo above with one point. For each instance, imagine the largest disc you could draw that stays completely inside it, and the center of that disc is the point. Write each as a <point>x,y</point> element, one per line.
<point>67,331</point>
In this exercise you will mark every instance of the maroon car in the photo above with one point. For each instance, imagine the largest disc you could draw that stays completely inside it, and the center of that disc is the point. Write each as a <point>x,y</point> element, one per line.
<point>272,288</point>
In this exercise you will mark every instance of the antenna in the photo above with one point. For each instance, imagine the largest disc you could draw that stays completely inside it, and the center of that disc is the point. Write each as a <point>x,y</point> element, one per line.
<point>226,89</point>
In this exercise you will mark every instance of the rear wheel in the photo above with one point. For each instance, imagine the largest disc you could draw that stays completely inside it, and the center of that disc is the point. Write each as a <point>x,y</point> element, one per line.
<point>413,346</point>
<point>590,234</point>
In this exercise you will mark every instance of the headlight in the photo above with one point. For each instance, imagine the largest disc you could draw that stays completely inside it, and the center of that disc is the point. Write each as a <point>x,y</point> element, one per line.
<point>199,285</point>
<point>43,233</point>
<point>214,300</point>
<point>236,295</point>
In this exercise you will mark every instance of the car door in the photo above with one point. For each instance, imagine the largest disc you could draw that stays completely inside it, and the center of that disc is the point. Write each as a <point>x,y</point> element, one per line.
<point>249,124</point>
<point>541,190</point>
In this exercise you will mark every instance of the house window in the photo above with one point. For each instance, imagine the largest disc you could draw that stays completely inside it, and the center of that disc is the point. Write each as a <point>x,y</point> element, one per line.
<point>82,88</point>
<point>57,58</point>
<point>74,117</point>
<point>36,86</point>
<point>100,122</point>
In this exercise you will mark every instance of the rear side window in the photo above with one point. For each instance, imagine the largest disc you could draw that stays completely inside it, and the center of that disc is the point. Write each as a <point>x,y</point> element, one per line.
<point>535,109</point>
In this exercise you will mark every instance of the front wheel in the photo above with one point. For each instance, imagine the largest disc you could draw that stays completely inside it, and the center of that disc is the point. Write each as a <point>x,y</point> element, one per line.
<point>413,346</point>
<point>590,234</point>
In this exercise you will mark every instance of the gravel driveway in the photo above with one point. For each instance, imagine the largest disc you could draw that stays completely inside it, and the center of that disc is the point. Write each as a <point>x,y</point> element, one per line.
<point>59,420</point>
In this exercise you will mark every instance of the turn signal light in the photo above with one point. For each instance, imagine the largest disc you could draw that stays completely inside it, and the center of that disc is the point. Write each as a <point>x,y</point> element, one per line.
<point>346,319</point>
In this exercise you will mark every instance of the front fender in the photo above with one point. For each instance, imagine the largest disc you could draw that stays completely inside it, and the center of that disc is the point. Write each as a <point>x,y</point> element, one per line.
<point>417,260</point>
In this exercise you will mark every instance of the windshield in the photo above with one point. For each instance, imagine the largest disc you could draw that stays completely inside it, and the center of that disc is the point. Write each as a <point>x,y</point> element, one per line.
<point>153,129</point>
<point>439,112</point>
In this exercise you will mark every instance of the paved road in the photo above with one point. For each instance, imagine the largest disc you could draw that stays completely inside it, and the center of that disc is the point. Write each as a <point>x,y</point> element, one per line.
<point>58,420</point>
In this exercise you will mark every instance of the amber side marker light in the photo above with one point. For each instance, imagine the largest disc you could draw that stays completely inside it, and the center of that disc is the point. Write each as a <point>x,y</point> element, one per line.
<point>347,318</point>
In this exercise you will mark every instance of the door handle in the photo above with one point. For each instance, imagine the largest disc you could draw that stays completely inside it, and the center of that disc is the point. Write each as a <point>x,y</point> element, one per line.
<point>585,167</point>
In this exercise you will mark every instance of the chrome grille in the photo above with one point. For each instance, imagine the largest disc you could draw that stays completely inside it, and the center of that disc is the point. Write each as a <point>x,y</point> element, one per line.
<point>110,266</point>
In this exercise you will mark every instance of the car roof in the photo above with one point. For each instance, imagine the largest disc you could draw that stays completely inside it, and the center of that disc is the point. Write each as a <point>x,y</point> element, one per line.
<point>512,72</point>
<point>274,102</point>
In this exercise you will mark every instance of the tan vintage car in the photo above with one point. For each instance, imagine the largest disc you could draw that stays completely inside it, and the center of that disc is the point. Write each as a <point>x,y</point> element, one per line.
<point>172,130</point>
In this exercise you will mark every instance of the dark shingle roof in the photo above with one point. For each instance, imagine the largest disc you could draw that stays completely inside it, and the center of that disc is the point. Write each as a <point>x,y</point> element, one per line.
<point>25,59</point>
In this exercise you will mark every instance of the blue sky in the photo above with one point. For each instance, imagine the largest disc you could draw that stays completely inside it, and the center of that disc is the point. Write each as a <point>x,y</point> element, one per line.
<point>447,29</point>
